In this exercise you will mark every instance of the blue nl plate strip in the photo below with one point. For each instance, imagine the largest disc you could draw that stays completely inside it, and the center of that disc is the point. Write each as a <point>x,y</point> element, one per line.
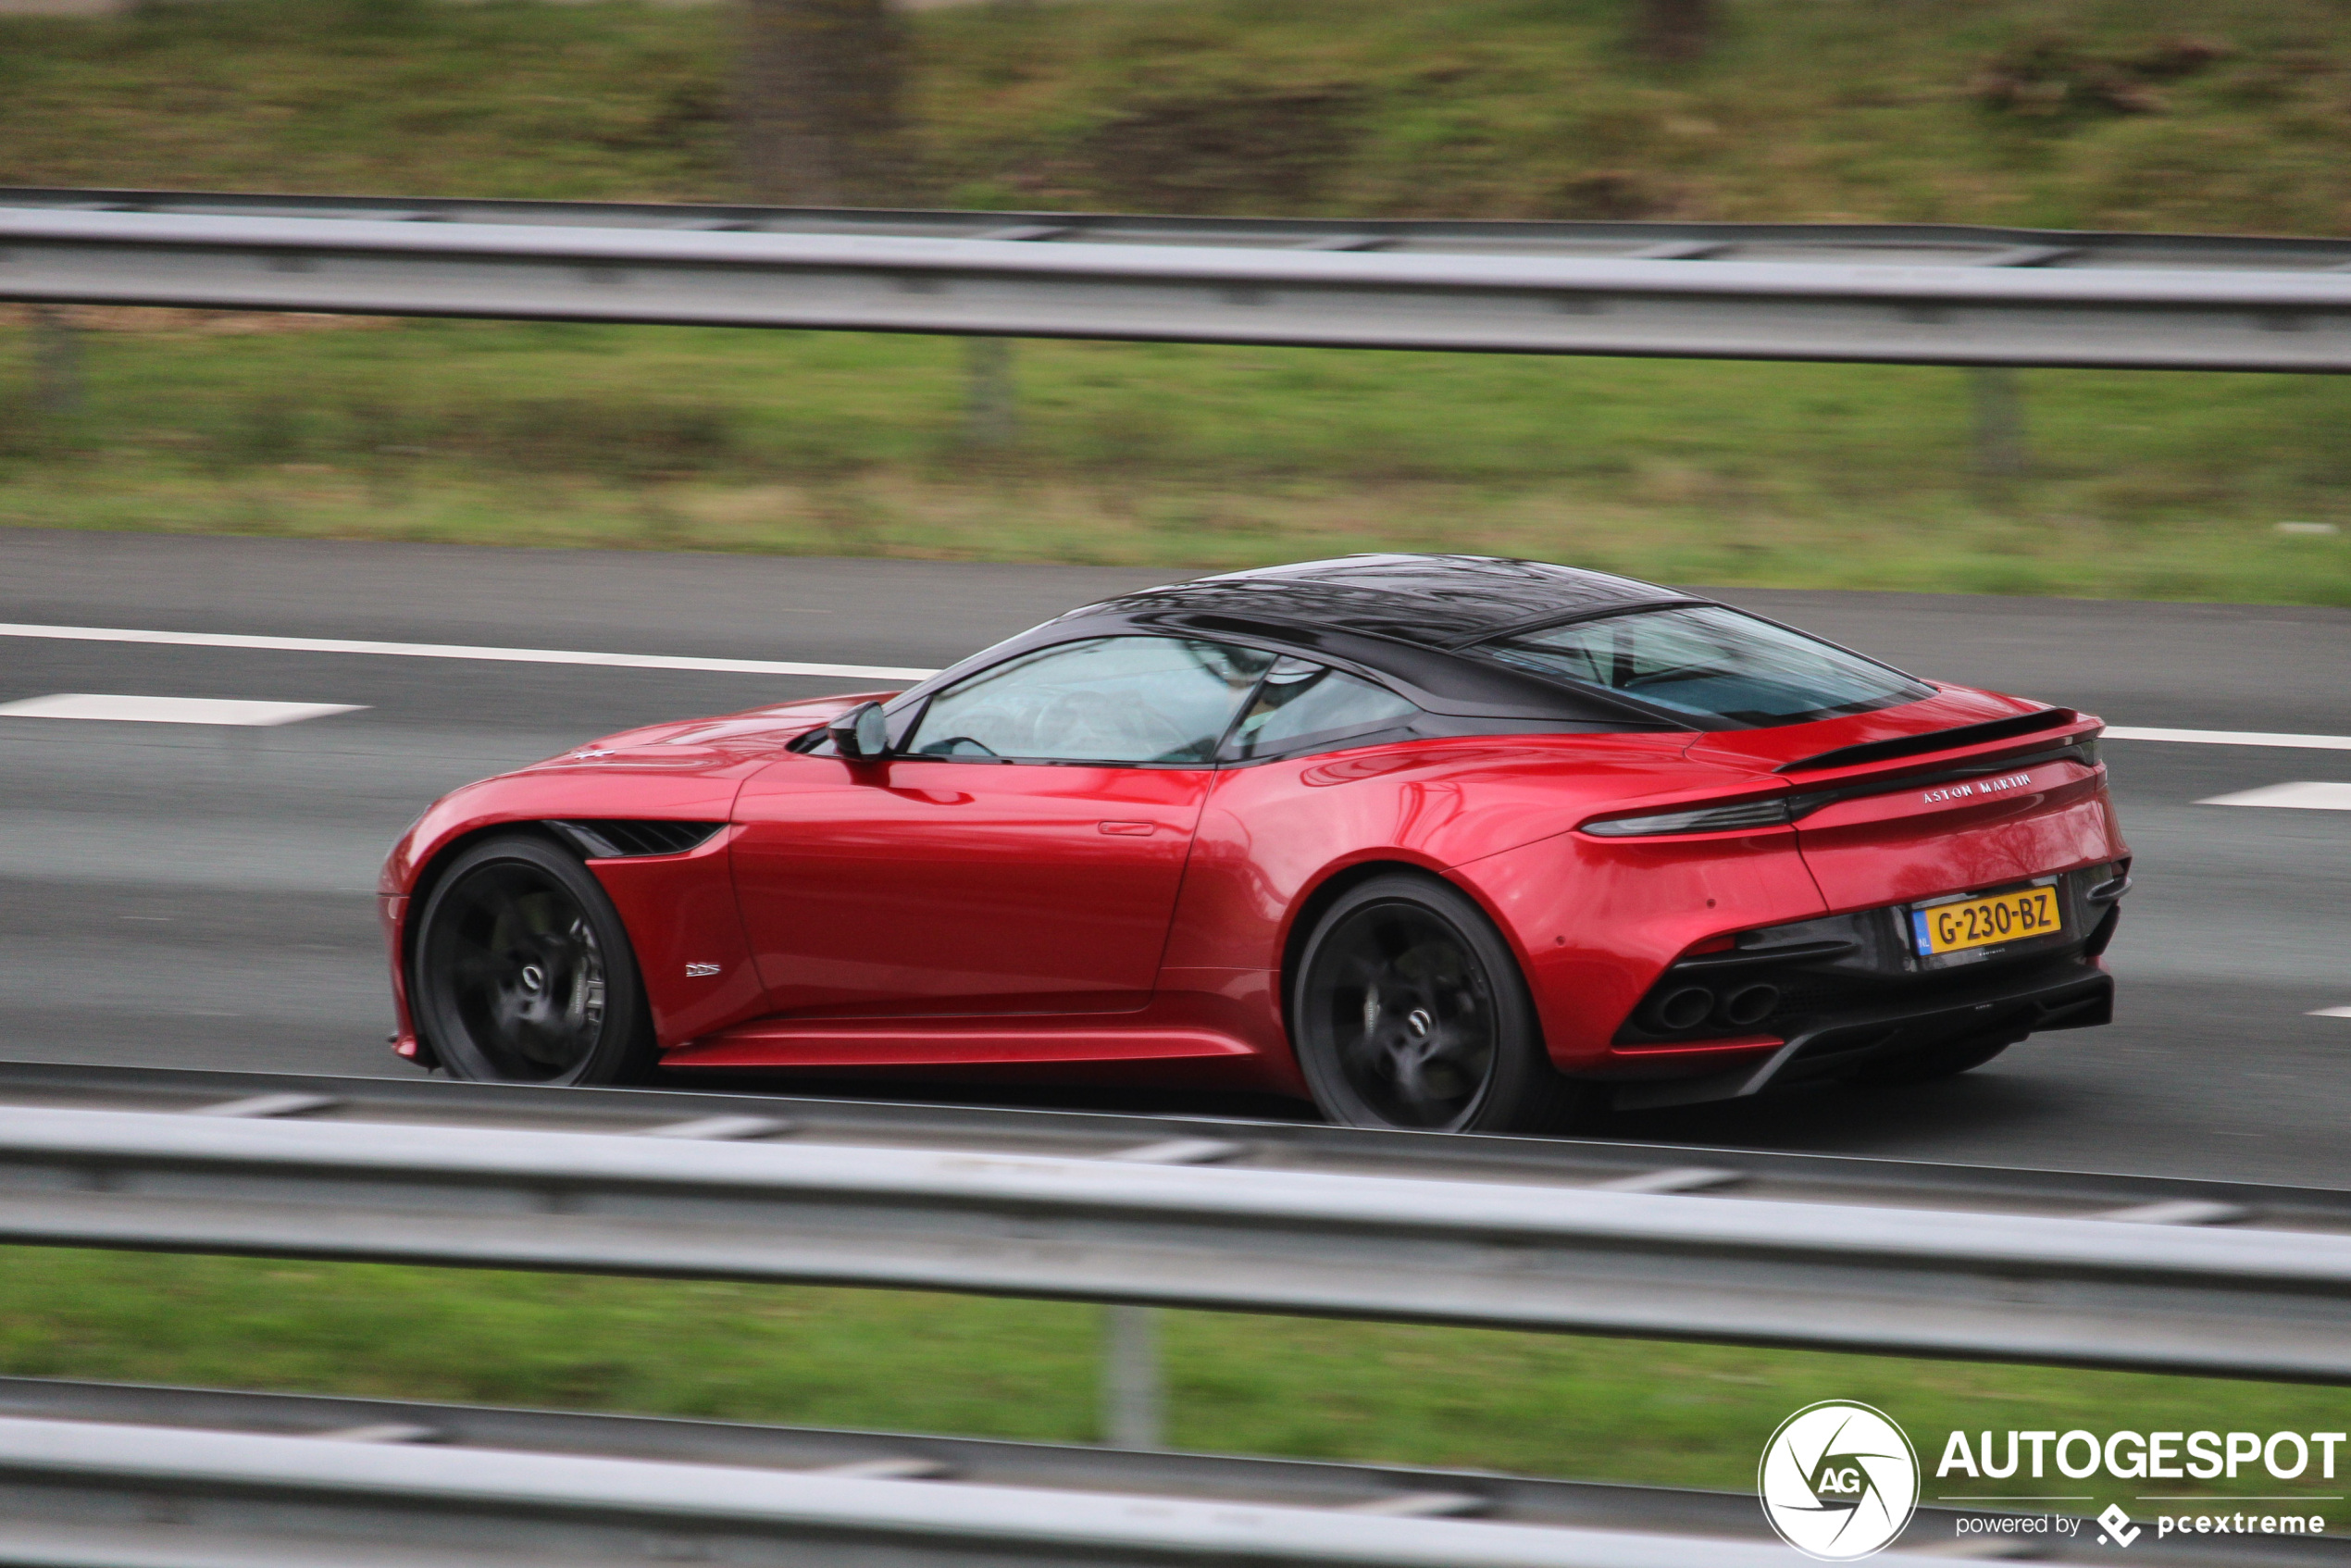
<point>1918,932</point>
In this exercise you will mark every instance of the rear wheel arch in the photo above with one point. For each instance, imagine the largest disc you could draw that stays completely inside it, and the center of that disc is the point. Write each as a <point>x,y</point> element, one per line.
<point>1339,883</point>
<point>1521,1091</point>
<point>1315,905</point>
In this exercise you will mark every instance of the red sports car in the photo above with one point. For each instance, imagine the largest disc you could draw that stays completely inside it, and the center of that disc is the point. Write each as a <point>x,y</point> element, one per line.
<point>1433,841</point>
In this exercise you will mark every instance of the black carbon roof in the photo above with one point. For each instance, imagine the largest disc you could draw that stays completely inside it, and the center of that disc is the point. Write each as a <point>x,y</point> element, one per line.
<point>1403,618</point>
<point>1433,601</point>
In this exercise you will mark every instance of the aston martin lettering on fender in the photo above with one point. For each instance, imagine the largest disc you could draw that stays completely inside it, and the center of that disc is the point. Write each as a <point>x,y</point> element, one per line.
<point>1976,787</point>
<point>1307,831</point>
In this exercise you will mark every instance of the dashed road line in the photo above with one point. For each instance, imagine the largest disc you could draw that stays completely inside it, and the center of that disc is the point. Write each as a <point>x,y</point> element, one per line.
<point>2230,737</point>
<point>458,651</point>
<point>122,709</point>
<point>2316,796</point>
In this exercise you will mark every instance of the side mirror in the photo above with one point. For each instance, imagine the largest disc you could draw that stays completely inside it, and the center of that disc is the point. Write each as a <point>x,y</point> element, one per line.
<point>861,733</point>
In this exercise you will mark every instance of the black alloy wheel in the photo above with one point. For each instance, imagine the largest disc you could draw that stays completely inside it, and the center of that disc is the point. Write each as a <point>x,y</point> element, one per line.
<point>1409,1011</point>
<point>523,972</point>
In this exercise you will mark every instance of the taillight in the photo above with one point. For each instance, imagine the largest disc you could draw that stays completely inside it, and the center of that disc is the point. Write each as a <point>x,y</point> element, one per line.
<point>1772,813</point>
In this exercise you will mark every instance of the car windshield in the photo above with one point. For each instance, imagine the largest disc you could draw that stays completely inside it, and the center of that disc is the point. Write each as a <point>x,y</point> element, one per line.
<point>1111,699</point>
<point>1711,662</point>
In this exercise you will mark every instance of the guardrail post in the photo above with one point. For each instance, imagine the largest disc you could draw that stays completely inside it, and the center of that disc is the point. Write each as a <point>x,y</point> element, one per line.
<point>1999,421</point>
<point>1131,1389</point>
<point>57,361</point>
<point>990,416</point>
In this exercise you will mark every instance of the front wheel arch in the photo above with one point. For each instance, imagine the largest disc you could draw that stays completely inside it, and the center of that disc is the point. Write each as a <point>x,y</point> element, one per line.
<point>436,865</point>
<point>574,1008</point>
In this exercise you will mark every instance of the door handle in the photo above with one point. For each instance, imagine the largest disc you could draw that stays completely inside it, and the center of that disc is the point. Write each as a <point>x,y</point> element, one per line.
<point>1125,829</point>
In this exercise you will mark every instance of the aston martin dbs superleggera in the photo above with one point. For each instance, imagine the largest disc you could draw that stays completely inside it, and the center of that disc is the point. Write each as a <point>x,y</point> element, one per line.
<point>1433,841</point>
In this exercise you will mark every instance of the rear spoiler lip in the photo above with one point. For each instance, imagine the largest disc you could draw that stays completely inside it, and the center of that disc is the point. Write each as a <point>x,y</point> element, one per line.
<point>1934,741</point>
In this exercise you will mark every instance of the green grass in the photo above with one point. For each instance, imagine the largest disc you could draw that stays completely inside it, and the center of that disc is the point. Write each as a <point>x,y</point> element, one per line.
<point>2142,486</point>
<point>1663,1413</point>
<point>1828,109</point>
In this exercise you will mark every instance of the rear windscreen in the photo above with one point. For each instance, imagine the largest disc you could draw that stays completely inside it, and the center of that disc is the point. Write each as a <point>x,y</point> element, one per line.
<point>1711,663</point>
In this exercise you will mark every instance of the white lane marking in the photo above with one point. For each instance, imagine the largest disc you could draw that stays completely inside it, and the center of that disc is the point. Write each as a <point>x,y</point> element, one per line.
<point>171,710</point>
<point>2329,1013</point>
<point>2176,1211</point>
<point>2298,797</point>
<point>2232,737</point>
<point>458,651</point>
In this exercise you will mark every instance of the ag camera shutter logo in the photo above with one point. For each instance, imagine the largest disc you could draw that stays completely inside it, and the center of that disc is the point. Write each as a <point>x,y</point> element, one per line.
<point>1838,1481</point>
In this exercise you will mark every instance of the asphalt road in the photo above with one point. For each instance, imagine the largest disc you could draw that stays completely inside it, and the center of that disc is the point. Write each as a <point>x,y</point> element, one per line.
<point>187,896</point>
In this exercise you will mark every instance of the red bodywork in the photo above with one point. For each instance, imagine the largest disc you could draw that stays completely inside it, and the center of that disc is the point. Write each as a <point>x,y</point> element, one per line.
<point>1087,923</point>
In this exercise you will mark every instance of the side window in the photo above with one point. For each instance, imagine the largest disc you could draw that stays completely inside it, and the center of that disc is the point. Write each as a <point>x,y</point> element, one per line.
<point>1302,704</point>
<point>1113,699</point>
<point>1713,661</point>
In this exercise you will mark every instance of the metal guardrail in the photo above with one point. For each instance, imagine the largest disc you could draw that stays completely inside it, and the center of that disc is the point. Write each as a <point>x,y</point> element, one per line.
<point>1637,239</point>
<point>1653,1254</point>
<point>1896,294</point>
<point>1699,1528</point>
<point>1380,1490</point>
<point>1286,1144</point>
<point>270,1501</point>
<point>1230,1140</point>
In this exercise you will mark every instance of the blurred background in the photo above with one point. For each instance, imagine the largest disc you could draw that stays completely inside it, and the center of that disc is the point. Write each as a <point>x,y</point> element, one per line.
<point>2202,115</point>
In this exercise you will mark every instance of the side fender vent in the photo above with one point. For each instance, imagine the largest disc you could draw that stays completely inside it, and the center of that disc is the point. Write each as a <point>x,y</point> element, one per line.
<point>623,839</point>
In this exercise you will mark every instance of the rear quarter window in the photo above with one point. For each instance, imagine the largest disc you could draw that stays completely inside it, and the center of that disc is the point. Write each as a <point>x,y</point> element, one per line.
<point>1711,663</point>
<point>1302,706</point>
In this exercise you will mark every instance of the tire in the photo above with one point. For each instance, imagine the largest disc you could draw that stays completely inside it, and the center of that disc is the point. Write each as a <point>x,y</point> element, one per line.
<point>523,972</point>
<point>1930,1066</point>
<point>1409,1011</point>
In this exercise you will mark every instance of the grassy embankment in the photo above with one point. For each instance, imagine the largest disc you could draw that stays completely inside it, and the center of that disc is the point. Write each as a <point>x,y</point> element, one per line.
<point>1677,1414</point>
<point>2086,114</point>
<point>2147,485</point>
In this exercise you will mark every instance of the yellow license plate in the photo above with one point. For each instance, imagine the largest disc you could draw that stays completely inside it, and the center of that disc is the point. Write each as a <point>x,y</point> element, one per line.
<point>1974,922</point>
